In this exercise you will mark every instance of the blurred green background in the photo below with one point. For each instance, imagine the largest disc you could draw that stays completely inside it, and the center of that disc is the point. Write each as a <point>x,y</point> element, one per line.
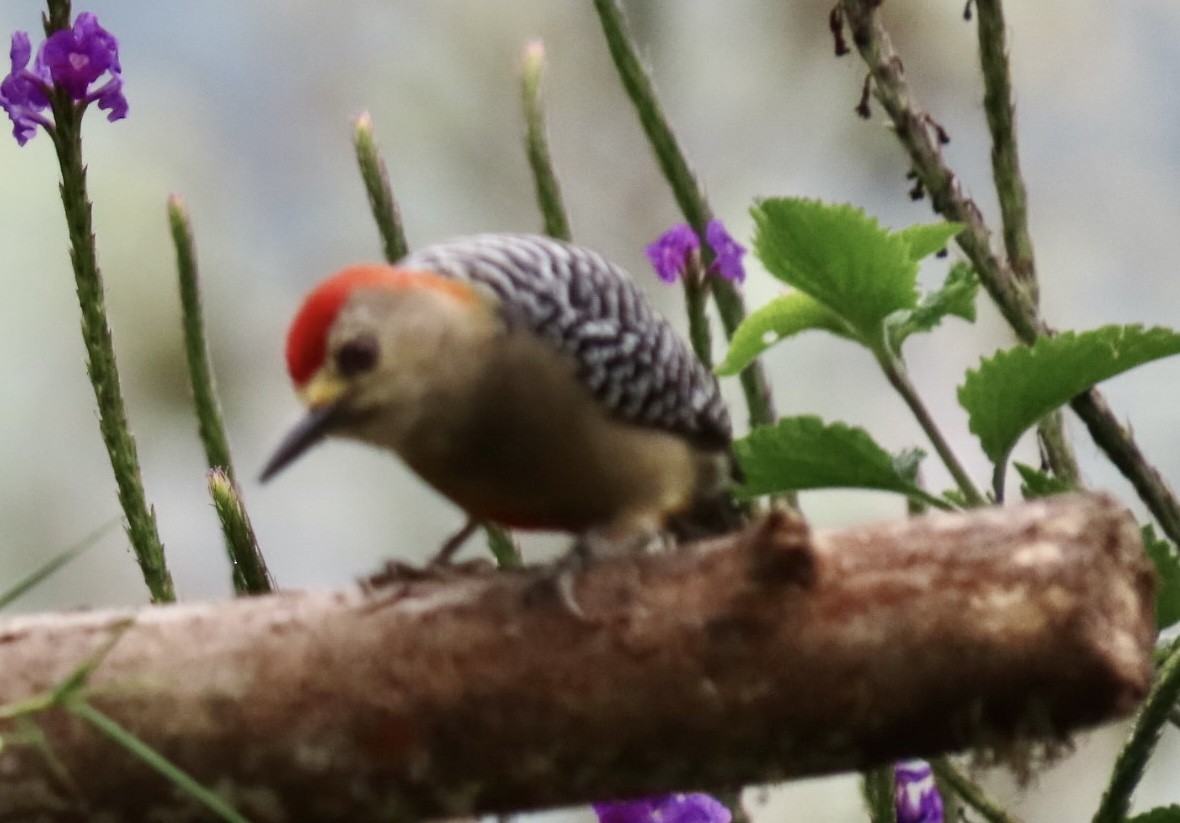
<point>245,111</point>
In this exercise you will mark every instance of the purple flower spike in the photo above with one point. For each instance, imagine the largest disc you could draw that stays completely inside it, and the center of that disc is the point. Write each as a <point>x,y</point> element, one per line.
<point>72,60</point>
<point>23,93</point>
<point>672,808</point>
<point>669,254</point>
<point>916,794</point>
<point>728,252</point>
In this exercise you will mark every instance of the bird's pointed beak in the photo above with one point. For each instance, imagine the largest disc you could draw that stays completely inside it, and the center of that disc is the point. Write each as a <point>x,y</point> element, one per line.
<point>323,396</point>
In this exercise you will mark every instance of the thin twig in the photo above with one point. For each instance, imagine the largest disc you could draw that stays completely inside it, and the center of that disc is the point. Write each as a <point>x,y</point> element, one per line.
<point>1013,197</point>
<point>898,378</point>
<point>997,103</point>
<point>914,130</point>
<point>250,574</point>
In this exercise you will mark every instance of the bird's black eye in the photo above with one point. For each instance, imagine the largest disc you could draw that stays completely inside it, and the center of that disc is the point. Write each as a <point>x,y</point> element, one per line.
<point>357,356</point>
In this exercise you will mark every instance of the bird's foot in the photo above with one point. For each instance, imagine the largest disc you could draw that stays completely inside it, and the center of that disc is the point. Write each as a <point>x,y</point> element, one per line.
<point>398,571</point>
<point>559,582</point>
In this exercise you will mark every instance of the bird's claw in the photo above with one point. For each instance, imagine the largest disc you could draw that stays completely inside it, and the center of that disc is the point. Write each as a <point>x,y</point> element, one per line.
<point>398,571</point>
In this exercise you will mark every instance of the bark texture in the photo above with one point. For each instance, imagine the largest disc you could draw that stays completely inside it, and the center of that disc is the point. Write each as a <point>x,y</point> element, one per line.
<point>770,654</point>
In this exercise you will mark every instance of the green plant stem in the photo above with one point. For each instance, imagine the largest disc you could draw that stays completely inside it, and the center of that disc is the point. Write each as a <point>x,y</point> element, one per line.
<point>970,792</point>
<point>250,574</point>
<point>689,196</point>
<point>553,213</point>
<point>898,378</point>
<point>696,298</point>
<point>381,200</point>
<point>375,174</point>
<point>180,778</point>
<point>1145,733</point>
<point>1013,198</point>
<point>100,353</point>
<point>913,128</point>
<point>997,103</point>
<point>210,424</point>
<point>1058,449</point>
<point>877,786</point>
<point>536,144</point>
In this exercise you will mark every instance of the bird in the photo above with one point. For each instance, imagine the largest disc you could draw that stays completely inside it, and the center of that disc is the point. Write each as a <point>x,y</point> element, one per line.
<point>526,379</point>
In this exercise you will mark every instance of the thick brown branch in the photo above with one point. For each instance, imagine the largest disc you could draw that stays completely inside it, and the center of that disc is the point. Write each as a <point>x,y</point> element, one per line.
<point>769,654</point>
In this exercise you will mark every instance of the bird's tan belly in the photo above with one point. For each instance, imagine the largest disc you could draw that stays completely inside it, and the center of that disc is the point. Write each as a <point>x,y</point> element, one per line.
<point>584,472</point>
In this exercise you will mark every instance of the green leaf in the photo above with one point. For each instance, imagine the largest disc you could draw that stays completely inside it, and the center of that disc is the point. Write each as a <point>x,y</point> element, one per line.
<point>956,296</point>
<point>925,239</point>
<point>1167,562</point>
<point>840,256</point>
<point>502,546</point>
<point>1162,814</point>
<point>181,779</point>
<point>779,319</point>
<point>54,563</point>
<point>1036,483</point>
<point>800,453</point>
<point>1013,389</point>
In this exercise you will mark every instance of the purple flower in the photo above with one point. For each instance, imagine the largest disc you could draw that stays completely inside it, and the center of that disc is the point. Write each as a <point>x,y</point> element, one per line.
<point>23,93</point>
<point>669,254</point>
<point>671,808</point>
<point>75,58</point>
<point>72,60</point>
<point>916,794</point>
<point>727,251</point>
<point>672,252</point>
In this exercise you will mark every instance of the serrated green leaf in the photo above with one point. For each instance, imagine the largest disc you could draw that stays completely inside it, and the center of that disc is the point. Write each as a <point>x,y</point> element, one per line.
<point>1162,814</point>
<point>779,319</point>
<point>1036,483</point>
<point>799,453</point>
<point>1013,389</point>
<point>956,296</point>
<point>838,255</point>
<point>1167,562</point>
<point>925,239</point>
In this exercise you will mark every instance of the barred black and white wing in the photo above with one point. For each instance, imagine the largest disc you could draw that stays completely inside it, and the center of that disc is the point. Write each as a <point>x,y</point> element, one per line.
<point>627,355</point>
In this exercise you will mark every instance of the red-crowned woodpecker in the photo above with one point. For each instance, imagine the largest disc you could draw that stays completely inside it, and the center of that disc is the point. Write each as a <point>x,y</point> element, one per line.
<point>526,379</point>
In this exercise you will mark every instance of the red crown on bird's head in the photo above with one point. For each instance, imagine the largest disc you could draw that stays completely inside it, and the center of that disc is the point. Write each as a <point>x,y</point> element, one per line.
<point>307,340</point>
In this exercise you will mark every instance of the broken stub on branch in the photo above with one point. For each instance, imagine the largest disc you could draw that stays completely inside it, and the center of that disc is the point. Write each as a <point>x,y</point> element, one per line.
<point>773,653</point>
